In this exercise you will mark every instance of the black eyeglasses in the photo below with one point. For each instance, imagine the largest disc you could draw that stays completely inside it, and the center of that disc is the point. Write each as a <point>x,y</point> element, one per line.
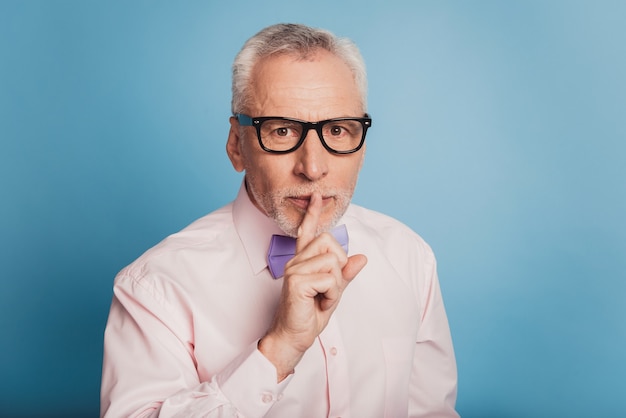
<point>280,135</point>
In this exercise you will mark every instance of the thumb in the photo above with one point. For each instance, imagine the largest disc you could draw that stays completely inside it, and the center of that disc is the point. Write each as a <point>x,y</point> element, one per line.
<point>354,265</point>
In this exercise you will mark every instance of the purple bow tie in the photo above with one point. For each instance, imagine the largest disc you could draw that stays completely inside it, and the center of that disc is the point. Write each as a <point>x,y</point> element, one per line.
<point>282,249</point>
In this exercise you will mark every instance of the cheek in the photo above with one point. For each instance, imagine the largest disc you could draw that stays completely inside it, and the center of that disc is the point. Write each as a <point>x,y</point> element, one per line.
<point>253,162</point>
<point>268,172</point>
<point>350,173</point>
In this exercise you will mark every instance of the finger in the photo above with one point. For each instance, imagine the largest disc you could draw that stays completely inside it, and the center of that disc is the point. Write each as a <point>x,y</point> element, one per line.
<point>310,262</point>
<point>329,295</point>
<point>322,287</point>
<point>308,227</point>
<point>322,244</point>
<point>354,265</point>
<point>326,285</point>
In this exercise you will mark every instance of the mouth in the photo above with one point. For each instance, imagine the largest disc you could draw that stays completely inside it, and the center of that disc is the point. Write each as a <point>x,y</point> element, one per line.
<point>302,202</point>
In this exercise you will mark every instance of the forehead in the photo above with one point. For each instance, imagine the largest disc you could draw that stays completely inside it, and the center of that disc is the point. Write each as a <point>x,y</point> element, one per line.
<point>296,86</point>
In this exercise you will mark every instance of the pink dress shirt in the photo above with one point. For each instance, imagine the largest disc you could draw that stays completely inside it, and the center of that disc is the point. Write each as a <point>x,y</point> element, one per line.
<point>181,339</point>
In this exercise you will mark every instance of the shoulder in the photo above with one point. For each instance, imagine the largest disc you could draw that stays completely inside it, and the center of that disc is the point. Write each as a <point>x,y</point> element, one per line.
<point>396,254</point>
<point>384,228</point>
<point>205,235</point>
<point>388,242</point>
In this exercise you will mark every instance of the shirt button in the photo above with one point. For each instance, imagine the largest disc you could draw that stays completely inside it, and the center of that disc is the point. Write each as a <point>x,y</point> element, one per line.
<point>333,351</point>
<point>267,398</point>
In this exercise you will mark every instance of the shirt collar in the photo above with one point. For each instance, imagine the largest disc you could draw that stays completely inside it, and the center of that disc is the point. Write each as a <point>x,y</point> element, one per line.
<point>254,228</point>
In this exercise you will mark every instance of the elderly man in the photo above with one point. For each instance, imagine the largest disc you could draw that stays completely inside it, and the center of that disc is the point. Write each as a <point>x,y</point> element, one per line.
<point>207,323</point>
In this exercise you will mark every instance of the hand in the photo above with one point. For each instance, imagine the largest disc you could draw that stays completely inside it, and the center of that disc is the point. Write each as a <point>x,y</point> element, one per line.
<point>314,281</point>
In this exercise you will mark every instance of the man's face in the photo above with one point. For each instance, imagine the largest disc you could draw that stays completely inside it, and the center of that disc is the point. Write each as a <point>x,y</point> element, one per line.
<point>280,185</point>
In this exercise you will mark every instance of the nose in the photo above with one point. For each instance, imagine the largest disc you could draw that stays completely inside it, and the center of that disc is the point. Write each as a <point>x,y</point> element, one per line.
<point>312,158</point>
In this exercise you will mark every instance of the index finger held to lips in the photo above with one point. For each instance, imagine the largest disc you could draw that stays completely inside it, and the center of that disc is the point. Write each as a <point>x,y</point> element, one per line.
<point>308,228</point>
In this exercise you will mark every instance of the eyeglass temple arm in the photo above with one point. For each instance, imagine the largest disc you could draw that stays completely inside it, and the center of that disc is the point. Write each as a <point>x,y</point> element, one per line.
<point>244,120</point>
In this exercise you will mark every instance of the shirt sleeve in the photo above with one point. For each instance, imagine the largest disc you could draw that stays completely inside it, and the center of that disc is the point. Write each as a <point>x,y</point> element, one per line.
<point>149,368</point>
<point>433,385</point>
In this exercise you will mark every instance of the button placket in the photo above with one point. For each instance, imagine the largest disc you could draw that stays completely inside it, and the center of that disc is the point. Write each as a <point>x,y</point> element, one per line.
<point>336,370</point>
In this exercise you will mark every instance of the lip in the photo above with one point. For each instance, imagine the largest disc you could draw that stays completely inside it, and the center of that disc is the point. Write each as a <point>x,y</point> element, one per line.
<point>302,202</point>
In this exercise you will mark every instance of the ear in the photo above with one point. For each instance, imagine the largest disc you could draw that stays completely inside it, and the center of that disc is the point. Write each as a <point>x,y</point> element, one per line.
<point>233,146</point>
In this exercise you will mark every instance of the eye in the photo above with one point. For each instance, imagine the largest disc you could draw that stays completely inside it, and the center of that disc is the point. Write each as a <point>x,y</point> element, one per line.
<point>336,130</point>
<point>279,129</point>
<point>282,131</point>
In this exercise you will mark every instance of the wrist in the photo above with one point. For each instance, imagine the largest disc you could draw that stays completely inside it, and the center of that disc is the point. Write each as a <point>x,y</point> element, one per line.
<point>281,355</point>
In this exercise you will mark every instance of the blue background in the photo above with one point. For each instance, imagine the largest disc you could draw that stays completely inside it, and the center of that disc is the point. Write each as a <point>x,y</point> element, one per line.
<point>499,135</point>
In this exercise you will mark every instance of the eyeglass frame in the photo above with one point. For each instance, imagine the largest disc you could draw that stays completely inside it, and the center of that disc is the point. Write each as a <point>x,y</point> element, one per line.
<point>245,120</point>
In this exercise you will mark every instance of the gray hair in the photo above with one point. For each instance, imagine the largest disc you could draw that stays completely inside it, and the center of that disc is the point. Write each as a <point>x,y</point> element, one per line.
<point>294,39</point>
